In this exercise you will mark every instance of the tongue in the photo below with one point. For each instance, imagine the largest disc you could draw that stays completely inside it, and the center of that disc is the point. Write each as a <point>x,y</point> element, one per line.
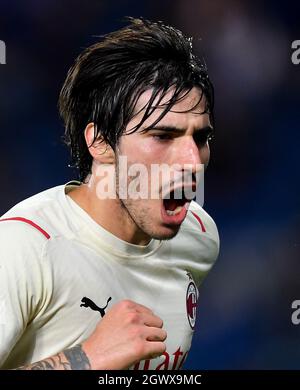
<point>171,204</point>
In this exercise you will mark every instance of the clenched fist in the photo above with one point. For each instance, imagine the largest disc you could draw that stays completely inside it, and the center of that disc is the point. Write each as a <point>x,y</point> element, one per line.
<point>128,333</point>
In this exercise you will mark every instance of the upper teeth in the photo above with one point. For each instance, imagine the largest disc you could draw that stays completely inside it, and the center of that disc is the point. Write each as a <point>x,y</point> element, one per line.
<point>174,212</point>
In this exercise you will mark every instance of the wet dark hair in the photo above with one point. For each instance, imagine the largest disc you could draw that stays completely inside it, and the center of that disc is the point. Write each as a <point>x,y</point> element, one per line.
<point>107,79</point>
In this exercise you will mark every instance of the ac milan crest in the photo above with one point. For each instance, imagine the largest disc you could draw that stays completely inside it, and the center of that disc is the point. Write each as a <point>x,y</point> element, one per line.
<point>191,303</point>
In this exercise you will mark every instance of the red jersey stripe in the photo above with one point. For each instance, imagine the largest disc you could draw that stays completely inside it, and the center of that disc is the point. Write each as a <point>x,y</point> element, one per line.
<point>21,219</point>
<point>199,220</point>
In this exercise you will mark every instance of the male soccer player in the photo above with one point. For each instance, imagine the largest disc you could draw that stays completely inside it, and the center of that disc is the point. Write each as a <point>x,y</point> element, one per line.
<point>98,279</point>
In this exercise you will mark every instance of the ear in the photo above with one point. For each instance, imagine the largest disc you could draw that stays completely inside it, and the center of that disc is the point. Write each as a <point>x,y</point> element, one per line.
<point>101,152</point>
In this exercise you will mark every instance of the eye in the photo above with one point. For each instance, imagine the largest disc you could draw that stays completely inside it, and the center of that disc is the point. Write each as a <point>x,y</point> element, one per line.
<point>203,137</point>
<point>162,137</point>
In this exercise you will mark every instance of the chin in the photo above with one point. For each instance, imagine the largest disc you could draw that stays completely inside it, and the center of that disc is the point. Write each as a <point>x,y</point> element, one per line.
<point>165,234</point>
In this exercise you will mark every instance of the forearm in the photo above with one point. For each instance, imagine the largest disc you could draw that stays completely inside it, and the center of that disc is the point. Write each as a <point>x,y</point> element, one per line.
<point>70,359</point>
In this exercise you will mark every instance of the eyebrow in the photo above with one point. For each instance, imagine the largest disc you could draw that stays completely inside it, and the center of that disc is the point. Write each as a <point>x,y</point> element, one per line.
<point>174,129</point>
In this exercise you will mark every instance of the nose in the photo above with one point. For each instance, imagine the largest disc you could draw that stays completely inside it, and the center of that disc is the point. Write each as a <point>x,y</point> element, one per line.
<point>191,154</point>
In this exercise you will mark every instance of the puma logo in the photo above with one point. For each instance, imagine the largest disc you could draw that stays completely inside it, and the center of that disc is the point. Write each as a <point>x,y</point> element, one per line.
<point>87,302</point>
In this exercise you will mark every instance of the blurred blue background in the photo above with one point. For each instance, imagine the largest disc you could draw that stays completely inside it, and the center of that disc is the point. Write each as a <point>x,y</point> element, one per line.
<point>252,184</point>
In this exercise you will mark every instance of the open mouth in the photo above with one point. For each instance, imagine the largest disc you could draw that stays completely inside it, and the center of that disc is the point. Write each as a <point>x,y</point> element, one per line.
<point>174,206</point>
<point>175,201</point>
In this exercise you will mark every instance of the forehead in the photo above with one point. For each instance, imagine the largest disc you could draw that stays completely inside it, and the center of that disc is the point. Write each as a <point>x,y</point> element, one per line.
<point>188,109</point>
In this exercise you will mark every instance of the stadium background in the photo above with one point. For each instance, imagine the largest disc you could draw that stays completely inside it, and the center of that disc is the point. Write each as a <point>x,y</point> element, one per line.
<point>252,184</point>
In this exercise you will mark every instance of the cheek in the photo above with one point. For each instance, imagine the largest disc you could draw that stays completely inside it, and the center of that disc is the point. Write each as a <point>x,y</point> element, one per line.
<point>205,155</point>
<point>142,151</point>
<point>147,151</point>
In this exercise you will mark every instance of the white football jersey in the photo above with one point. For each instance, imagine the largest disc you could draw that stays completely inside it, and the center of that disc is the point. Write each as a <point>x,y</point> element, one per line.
<point>60,272</point>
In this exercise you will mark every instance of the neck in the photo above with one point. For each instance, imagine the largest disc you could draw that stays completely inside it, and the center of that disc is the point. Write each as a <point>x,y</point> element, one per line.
<point>109,213</point>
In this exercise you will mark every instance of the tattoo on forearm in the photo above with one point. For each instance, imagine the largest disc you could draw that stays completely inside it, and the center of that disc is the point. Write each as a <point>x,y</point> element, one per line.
<point>77,358</point>
<point>70,359</point>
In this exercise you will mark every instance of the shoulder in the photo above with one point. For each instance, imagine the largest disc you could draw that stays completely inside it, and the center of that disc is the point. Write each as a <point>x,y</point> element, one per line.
<point>25,232</point>
<point>25,278</point>
<point>16,229</point>
<point>199,220</point>
<point>22,244</point>
<point>196,246</point>
<point>43,215</point>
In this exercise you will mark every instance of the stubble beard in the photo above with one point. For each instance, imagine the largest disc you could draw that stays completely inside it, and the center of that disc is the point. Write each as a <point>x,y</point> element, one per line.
<point>140,216</point>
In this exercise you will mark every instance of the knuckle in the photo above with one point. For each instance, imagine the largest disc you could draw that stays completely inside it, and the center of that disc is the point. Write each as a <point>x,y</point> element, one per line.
<point>162,348</point>
<point>135,332</point>
<point>133,318</point>
<point>161,323</point>
<point>164,335</point>
<point>126,304</point>
<point>159,350</point>
<point>150,311</point>
<point>139,349</point>
<point>158,321</point>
